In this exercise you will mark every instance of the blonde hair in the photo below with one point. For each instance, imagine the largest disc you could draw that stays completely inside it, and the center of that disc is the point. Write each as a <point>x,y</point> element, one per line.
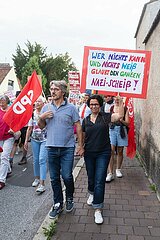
<point>42,99</point>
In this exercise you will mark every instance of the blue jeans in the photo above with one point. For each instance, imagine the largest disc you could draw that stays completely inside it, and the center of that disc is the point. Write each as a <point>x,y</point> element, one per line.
<point>96,166</point>
<point>60,160</point>
<point>39,159</point>
<point>115,137</point>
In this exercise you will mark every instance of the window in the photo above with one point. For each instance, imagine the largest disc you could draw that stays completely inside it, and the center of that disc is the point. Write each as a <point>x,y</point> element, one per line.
<point>10,85</point>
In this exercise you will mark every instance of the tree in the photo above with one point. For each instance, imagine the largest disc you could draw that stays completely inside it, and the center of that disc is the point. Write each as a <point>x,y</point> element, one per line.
<point>28,69</point>
<point>19,62</point>
<point>35,57</point>
<point>22,56</point>
<point>57,68</point>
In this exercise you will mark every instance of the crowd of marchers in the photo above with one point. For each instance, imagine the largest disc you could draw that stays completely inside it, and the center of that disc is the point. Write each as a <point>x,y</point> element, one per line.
<point>95,128</point>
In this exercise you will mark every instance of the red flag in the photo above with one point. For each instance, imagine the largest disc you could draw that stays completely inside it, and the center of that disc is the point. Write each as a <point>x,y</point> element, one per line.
<point>131,149</point>
<point>21,110</point>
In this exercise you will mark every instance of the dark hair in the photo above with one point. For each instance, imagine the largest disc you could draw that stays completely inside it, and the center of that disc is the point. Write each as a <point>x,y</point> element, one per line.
<point>87,94</point>
<point>17,93</point>
<point>97,97</point>
<point>108,96</point>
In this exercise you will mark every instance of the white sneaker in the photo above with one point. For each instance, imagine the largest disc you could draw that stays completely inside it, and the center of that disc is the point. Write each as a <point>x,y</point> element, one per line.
<point>35,183</point>
<point>98,217</point>
<point>118,173</point>
<point>40,189</point>
<point>90,199</point>
<point>109,177</point>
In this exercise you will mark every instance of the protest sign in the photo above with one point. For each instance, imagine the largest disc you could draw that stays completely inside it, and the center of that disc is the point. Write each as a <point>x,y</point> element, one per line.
<point>74,96</point>
<point>116,71</point>
<point>74,80</point>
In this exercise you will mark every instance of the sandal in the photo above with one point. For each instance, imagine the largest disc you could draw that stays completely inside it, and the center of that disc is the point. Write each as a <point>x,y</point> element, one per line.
<point>2,184</point>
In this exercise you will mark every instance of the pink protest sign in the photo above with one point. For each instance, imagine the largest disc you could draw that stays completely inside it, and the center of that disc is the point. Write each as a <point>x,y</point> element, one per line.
<point>116,71</point>
<point>74,80</point>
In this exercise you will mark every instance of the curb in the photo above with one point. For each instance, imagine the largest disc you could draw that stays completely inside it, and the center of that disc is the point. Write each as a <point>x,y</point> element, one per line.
<point>47,221</point>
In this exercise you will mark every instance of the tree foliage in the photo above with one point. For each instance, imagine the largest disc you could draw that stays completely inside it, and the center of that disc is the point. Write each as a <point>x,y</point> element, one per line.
<point>28,69</point>
<point>22,56</point>
<point>34,57</point>
<point>57,68</point>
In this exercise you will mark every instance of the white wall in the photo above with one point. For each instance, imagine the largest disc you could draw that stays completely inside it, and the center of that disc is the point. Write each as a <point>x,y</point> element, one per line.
<point>147,111</point>
<point>10,76</point>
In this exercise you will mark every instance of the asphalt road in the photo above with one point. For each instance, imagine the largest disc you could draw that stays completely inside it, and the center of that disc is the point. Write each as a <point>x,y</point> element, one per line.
<point>22,210</point>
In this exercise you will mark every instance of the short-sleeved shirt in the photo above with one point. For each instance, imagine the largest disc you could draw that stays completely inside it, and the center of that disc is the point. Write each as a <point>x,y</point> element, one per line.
<point>37,133</point>
<point>4,128</point>
<point>97,134</point>
<point>86,112</point>
<point>60,132</point>
<point>107,107</point>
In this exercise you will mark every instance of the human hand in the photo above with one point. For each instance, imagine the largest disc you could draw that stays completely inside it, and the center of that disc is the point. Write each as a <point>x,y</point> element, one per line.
<point>121,120</point>
<point>26,145</point>
<point>80,151</point>
<point>46,115</point>
<point>10,131</point>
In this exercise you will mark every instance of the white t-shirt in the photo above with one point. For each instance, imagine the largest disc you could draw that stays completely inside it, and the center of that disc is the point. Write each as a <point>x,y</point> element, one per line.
<point>37,133</point>
<point>107,107</point>
<point>86,112</point>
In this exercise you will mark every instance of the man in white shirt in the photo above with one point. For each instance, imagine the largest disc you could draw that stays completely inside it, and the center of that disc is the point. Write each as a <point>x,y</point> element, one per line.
<point>108,103</point>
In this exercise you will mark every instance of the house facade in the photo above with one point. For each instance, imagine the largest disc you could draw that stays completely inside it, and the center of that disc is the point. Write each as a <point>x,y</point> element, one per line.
<point>147,111</point>
<point>9,83</point>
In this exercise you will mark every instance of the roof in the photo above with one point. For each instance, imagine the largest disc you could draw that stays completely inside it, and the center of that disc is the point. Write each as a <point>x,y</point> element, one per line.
<point>142,15</point>
<point>4,70</point>
<point>154,25</point>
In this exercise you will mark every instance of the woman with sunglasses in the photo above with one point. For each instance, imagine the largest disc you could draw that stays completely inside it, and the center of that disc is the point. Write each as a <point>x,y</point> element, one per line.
<point>97,153</point>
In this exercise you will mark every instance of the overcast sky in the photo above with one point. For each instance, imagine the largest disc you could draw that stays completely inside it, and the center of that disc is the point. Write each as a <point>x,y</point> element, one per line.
<point>68,25</point>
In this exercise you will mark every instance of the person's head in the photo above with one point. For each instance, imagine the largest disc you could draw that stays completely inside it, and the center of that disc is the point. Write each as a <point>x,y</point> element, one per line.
<point>17,93</point>
<point>49,99</point>
<point>118,100</point>
<point>95,102</point>
<point>4,101</point>
<point>86,97</point>
<point>40,102</point>
<point>58,89</point>
<point>108,98</point>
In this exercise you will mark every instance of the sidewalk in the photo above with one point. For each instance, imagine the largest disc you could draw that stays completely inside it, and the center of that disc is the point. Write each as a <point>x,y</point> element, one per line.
<point>131,210</point>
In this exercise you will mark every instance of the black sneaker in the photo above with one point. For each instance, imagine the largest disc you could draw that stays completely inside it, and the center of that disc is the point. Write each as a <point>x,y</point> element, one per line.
<point>22,161</point>
<point>56,210</point>
<point>9,174</point>
<point>69,205</point>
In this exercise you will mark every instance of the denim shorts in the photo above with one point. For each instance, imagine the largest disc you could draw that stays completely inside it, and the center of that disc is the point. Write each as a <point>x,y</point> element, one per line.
<point>115,137</point>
